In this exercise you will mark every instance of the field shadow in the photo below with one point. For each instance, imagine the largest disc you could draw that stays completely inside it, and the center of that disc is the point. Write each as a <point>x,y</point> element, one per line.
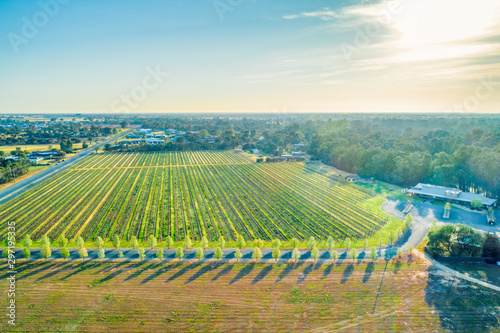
<point>160,272</point>
<point>80,267</point>
<point>343,256</point>
<point>139,270</point>
<point>461,306</point>
<point>327,271</point>
<point>184,270</point>
<point>223,272</point>
<point>368,272</point>
<point>347,273</point>
<point>305,273</point>
<point>263,273</point>
<point>244,272</point>
<point>56,270</point>
<point>200,272</point>
<point>397,266</point>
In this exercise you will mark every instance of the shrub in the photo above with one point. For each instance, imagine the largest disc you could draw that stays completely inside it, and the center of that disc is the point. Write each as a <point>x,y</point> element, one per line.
<point>45,251</point>
<point>101,254</point>
<point>83,253</point>
<point>159,253</point>
<point>27,242</point>
<point>218,253</point>
<point>199,253</point>
<point>116,241</point>
<point>64,252</point>
<point>26,253</point>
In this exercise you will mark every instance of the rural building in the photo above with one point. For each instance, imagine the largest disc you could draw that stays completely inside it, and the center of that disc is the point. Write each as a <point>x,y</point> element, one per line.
<point>153,141</point>
<point>35,160</point>
<point>255,151</point>
<point>296,153</point>
<point>133,136</point>
<point>298,146</point>
<point>43,154</point>
<point>449,194</point>
<point>352,178</point>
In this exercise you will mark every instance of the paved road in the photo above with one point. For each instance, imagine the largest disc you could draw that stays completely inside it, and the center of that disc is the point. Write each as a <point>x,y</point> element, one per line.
<point>24,185</point>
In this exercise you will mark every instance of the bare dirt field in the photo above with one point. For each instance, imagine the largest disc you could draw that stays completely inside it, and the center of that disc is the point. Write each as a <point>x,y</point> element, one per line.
<point>210,297</point>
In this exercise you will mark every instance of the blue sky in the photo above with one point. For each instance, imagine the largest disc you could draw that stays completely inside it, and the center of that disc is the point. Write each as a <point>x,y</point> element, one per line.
<point>250,56</point>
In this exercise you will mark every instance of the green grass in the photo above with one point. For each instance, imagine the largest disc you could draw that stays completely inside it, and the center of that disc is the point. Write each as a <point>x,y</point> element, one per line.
<point>387,190</point>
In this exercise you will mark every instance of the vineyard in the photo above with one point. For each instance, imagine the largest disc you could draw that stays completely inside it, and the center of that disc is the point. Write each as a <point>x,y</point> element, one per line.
<point>190,194</point>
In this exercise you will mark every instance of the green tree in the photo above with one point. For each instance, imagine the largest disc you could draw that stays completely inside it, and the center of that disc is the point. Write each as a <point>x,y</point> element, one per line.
<point>204,242</point>
<point>240,242</point>
<point>365,244</point>
<point>64,252</point>
<point>45,240</point>
<point>315,253</point>
<point>83,253</point>
<point>296,254</point>
<point>26,253</point>
<point>159,253</point>
<point>373,254</point>
<point>330,243</point>
<point>218,253</point>
<point>399,252</point>
<point>152,241</point>
<point>120,255</point>
<point>276,253</point>
<point>411,249</point>
<point>45,251</point>
<point>141,252</point>
<point>169,242</point>
<point>221,242</point>
<point>99,242</point>
<point>476,203</point>
<point>257,254</point>
<point>116,241</point>
<point>380,242</point>
<point>347,243</point>
<point>491,246</point>
<point>179,253</point>
<point>101,254</point>
<point>62,240</point>
<point>27,242</point>
<point>354,254</point>
<point>334,255</point>
<point>258,242</point>
<point>199,253</point>
<point>188,243</point>
<point>79,242</point>
<point>311,243</point>
<point>276,243</point>
<point>294,243</point>
<point>455,240</point>
<point>134,241</point>
<point>5,252</point>
<point>237,254</point>
<point>389,240</point>
<point>409,219</point>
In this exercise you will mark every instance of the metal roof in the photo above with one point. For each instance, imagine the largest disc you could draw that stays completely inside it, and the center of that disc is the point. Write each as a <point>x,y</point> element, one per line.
<point>444,192</point>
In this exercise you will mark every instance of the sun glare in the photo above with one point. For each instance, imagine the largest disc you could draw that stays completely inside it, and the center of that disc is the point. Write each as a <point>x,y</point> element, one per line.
<point>441,21</point>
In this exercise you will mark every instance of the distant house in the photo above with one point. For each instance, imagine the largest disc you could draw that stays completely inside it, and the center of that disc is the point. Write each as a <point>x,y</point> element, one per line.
<point>43,154</point>
<point>133,136</point>
<point>298,146</point>
<point>449,194</point>
<point>255,151</point>
<point>35,160</point>
<point>352,178</point>
<point>296,153</point>
<point>13,158</point>
<point>154,141</point>
<point>286,156</point>
<point>144,130</point>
